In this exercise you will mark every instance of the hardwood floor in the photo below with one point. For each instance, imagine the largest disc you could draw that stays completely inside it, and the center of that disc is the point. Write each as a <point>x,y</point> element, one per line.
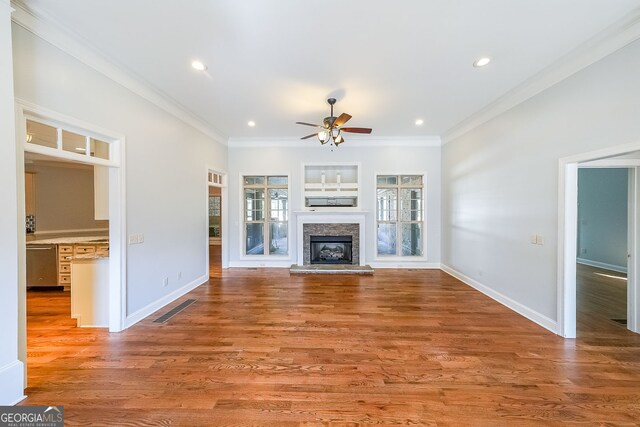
<point>215,260</point>
<point>261,347</point>
<point>601,297</point>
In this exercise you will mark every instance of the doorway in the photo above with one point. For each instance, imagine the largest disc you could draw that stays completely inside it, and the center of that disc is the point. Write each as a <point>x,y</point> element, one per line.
<point>65,139</point>
<point>67,235</point>
<point>216,205</point>
<point>602,256</point>
<point>627,156</point>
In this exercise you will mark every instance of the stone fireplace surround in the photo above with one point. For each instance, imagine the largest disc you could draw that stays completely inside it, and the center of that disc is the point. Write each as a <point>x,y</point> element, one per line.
<point>326,223</point>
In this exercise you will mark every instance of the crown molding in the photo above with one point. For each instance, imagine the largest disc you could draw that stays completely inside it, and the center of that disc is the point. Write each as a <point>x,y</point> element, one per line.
<point>362,142</point>
<point>613,38</point>
<point>48,29</point>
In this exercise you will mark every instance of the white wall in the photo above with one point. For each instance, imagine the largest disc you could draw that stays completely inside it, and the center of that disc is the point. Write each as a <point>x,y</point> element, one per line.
<point>602,217</point>
<point>374,160</point>
<point>11,369</point>
<point>166,165</point>
<point>500,181</point>
<point>64,196</point>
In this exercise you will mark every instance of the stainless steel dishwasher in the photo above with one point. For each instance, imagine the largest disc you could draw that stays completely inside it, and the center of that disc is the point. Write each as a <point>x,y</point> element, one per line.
<point>42,265</point>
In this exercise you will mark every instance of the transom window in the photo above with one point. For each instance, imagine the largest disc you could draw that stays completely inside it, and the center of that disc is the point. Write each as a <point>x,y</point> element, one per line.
<point>79,143</point>
<point>399,215</point>
<point>266,214</point>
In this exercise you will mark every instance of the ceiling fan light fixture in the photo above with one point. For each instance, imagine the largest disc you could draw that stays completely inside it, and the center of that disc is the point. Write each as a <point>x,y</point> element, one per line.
<point>333,127</point>
<point>323,136</point>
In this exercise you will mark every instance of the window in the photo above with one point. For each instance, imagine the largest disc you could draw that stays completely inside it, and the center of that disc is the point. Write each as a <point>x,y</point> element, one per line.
<point>266,215</point>
<point>59,138</point>
<point>399,215</point>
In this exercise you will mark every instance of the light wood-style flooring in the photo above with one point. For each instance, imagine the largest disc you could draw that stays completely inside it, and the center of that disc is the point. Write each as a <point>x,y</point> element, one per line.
<point>263,348</point>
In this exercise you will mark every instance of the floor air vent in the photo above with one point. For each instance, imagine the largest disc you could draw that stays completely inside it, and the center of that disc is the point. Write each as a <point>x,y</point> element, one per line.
<point>168,315</point>
<point>621,321</point>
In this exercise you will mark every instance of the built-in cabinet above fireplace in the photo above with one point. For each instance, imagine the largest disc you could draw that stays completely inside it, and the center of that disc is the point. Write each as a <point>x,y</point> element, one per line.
<point>331,186</point>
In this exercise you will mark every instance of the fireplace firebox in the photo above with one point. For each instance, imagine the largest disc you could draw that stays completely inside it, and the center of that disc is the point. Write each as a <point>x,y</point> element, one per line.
<point>331,249</point>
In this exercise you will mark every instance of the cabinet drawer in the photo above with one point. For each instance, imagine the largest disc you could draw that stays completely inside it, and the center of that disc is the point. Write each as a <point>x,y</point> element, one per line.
<point>102,250</point>
<point>64,257</point>
<point>84,249</point>
<point>64,279</point>
<point>65,267</point>
<point>65,249</point>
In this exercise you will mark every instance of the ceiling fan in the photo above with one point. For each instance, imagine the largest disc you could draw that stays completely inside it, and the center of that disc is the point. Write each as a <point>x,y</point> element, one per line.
<point>331,128</point>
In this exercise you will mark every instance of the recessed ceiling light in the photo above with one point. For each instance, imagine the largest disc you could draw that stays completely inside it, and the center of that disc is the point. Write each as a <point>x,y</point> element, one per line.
<point>80,149</point>
<point>419,122</point>
<point>251,123</point>
<point>198,65</point>
<point>482,62</point>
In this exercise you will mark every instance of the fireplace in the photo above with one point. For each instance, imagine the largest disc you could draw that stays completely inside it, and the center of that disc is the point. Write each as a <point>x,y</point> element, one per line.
<point>330,224</point>
<point>331,249</point>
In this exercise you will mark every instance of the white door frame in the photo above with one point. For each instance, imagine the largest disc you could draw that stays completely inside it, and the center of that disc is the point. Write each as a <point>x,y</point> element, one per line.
<point>224,237</point>
<point>117,216</point>
<point>568,229</point>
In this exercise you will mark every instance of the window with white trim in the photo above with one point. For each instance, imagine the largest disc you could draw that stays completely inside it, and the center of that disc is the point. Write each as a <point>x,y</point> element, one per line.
<point>75,142</point>
<point>399,215</point>
<point>266,215</point>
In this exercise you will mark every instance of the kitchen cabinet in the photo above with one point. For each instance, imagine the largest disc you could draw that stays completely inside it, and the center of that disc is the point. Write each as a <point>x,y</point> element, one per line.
<point>30,193</point>
<point>101,192</point>
<point>67,251</point>
<point>90,293</point>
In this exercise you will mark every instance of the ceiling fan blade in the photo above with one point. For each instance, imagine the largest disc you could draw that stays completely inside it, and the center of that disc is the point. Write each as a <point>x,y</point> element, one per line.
<point>342,119</point>
<point>308,124</point>
<point>356,130</point>
<point>309,136</point>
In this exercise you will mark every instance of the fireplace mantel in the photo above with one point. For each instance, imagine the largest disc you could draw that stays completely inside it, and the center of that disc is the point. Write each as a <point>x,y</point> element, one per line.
<point>329,217</point>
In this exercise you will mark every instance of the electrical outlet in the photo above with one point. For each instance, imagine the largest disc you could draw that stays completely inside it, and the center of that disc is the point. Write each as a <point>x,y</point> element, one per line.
<point>179,275</point>
<point>140,238</point>
<point>165,282</point>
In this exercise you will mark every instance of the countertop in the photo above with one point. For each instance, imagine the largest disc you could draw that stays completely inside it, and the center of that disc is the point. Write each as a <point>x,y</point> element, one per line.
<point>70,240</point>
<point>85,257</point>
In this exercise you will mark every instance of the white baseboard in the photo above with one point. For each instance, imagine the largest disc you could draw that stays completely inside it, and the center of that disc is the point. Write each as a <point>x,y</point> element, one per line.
<point>12,383</point>
<point>376,264</point>
<point>260,264</point>
<point>134,318</point>
<point>405,264</point>
<point>603,265</point>
<point>525,311</point>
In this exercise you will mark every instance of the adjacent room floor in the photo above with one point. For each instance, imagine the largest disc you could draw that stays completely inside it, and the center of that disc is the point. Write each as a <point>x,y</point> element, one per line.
<point>261,347</point>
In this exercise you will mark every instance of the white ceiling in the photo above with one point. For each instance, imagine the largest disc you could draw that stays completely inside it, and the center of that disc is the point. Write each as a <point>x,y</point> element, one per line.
<point>388,63</point>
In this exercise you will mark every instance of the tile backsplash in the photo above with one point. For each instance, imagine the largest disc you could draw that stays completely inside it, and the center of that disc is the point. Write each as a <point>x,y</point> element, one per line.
<point>31,223</point>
